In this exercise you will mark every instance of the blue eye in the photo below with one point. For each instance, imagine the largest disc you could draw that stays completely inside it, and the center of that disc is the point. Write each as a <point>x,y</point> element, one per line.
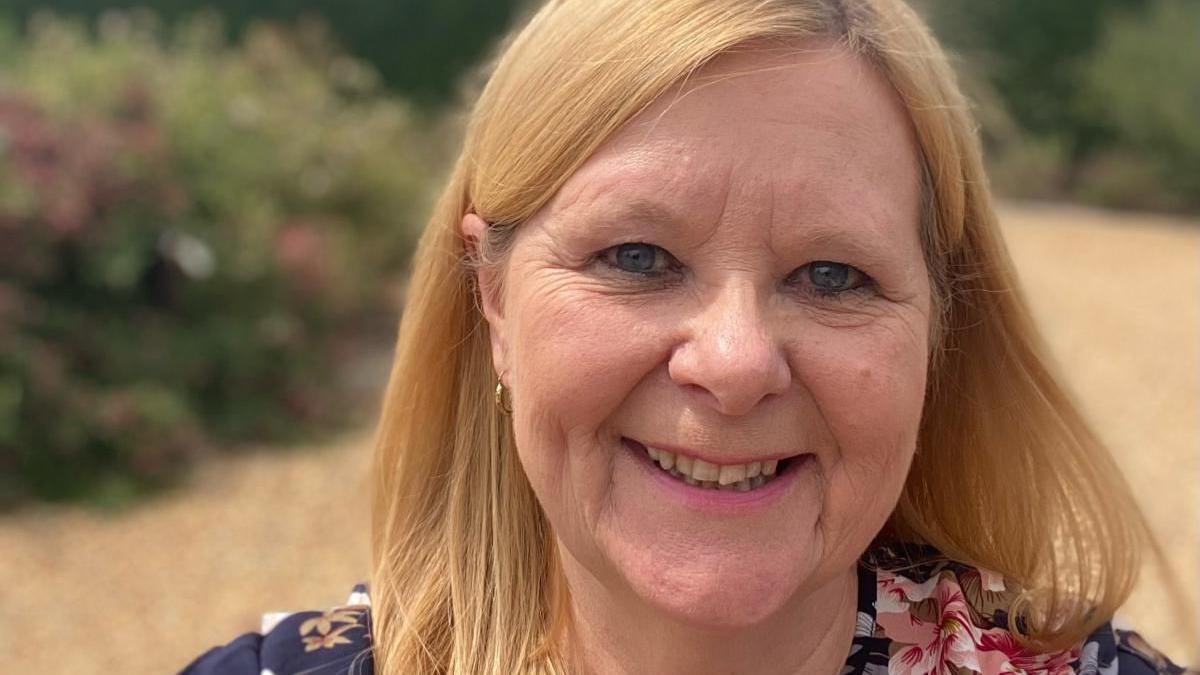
<point>637,258</point>
<point>834,278</point>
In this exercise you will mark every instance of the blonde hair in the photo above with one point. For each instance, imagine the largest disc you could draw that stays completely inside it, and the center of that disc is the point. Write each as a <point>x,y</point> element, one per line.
<point>1007,476</point>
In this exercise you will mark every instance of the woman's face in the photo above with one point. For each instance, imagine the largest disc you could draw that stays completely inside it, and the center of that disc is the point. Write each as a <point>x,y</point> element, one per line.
<point>734,279</point>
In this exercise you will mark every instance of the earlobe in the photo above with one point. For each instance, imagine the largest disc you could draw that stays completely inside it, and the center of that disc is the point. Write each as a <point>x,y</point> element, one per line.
<point>472,229</point>
<point>487,278</point>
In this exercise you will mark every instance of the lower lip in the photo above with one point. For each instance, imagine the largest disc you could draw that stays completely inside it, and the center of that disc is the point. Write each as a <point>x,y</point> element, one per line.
<point>710,499</point>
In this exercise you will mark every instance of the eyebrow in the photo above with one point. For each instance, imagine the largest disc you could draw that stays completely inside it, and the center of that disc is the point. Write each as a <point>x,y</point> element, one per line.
<point>615,214</point>
<point>601,212</point>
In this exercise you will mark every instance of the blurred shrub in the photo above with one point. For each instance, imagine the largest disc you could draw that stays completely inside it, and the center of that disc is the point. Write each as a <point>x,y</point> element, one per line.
<point>190,233</point>
<point>421,47</point>
<point>1088,100</point>
<point>1029,166</point>
<point>1030,52</point>
<point>1143,82</point>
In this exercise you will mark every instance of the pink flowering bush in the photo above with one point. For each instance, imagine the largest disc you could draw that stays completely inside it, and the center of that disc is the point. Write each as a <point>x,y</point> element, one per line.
<point>192,235</point>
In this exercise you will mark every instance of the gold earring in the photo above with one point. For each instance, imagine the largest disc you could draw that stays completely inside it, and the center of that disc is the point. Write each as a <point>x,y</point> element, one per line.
<point>505,407</point>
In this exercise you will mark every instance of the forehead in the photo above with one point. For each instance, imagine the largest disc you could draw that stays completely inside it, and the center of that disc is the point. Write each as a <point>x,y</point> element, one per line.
<point>807,132</point>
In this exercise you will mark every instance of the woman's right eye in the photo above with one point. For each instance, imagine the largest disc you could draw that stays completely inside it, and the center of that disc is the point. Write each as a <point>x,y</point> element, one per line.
<point>638,258</point>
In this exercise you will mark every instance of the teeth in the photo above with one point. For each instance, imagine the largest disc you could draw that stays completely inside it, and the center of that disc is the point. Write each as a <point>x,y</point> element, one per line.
<point>698,472</point>
<point>702,470</point>
<point>684,464</point>
<point>732,474</point>
<point>666,460</point>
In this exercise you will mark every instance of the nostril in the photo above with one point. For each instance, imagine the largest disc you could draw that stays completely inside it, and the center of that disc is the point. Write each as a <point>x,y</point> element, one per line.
<point>731,372</point>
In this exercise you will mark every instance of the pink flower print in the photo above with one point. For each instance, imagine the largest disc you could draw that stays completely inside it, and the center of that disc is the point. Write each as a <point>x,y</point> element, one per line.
<point>933,647</point>
<point>894,593</point>
<point>984,590</point>
<point>1000,652</point>
<point>934,631</point>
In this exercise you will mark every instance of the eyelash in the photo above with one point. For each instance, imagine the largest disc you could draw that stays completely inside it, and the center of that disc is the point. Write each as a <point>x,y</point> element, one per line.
<point>865,285</point>
<point>607,257</point>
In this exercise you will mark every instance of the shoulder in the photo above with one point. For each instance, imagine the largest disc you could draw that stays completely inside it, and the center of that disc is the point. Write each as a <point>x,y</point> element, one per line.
<point>336,641</point>
<point>929,614</point>
<point>1129,652</point>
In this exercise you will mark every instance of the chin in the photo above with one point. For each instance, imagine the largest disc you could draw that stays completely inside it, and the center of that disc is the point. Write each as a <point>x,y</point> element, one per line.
<point>740,594</point>
<point>721,606</point>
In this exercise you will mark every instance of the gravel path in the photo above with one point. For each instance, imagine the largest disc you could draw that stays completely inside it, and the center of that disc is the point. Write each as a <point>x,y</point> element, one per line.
<point>146,590</point>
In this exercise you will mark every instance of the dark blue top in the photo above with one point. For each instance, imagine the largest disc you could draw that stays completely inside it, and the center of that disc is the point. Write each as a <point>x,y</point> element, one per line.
<point>930,618</point>
<point>333,642</point>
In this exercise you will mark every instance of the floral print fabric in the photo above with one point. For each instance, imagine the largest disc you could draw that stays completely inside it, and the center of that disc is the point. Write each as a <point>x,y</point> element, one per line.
<point>918,614</point>
<point>332,642</point>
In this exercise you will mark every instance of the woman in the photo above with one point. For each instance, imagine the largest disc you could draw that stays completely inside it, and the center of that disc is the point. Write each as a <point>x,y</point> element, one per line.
<point>713,362</point>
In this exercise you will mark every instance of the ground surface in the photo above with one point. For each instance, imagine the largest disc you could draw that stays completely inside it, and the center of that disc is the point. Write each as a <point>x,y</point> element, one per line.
<point>1118,297</point>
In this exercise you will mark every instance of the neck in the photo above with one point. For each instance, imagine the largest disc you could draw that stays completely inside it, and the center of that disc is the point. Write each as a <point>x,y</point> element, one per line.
<point>613,633</point>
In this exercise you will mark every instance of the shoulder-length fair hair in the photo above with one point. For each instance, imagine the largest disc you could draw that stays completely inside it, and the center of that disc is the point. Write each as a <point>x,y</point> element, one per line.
<point>1007,476</point>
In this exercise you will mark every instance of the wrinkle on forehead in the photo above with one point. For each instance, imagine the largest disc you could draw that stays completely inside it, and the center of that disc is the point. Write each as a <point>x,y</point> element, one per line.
<point>800,149</point>
<point>752,73</point>
<point>619,198</point>
<point>748,59</point>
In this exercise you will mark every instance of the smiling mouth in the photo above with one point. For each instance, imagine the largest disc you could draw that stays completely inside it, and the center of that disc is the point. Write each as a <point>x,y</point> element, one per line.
<point>706,475</point>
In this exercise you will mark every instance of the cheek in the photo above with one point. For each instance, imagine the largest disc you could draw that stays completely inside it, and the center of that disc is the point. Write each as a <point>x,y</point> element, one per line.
<point>869,388</point>
<point>576,357</point>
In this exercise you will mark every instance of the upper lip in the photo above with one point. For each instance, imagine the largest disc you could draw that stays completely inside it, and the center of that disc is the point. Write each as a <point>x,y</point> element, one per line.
<point>718,458</point>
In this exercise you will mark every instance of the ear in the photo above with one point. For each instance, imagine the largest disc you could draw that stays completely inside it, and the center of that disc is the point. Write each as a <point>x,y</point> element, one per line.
<point>488,282</point>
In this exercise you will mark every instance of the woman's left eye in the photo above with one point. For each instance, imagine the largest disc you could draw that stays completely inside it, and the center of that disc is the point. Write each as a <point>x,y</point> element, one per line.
<point>829,278</point>
<point>638,258</point>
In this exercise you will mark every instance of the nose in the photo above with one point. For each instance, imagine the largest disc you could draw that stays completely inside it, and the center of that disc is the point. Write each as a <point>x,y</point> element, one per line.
<point>730,355</point>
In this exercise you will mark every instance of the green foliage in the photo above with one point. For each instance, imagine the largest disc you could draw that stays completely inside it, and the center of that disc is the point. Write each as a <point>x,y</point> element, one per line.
<point>420,47</point>
<point>8,37</point>
<point>191,231</point>
<point>1144,83</point>
<point>1089,100</point>
<point>1031,166</point>
<point>1032,52</point>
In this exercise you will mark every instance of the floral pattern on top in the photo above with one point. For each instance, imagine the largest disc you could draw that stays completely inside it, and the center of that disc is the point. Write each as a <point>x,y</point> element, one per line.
<point>935,628</point>
<point>924,614</point>
<point>332,642</point>
<point>319,632</point>
<point>919,613</point>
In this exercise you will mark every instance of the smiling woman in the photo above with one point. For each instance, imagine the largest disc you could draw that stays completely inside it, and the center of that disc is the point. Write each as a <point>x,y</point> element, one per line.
<point>714,340</point>
<point>712,362</point>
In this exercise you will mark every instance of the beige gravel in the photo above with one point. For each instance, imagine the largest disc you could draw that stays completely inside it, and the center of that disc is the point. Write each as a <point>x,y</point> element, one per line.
<point>144,591</point>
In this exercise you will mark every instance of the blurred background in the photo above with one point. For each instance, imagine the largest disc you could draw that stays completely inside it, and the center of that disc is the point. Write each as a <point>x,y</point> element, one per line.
<point>206,212</point>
